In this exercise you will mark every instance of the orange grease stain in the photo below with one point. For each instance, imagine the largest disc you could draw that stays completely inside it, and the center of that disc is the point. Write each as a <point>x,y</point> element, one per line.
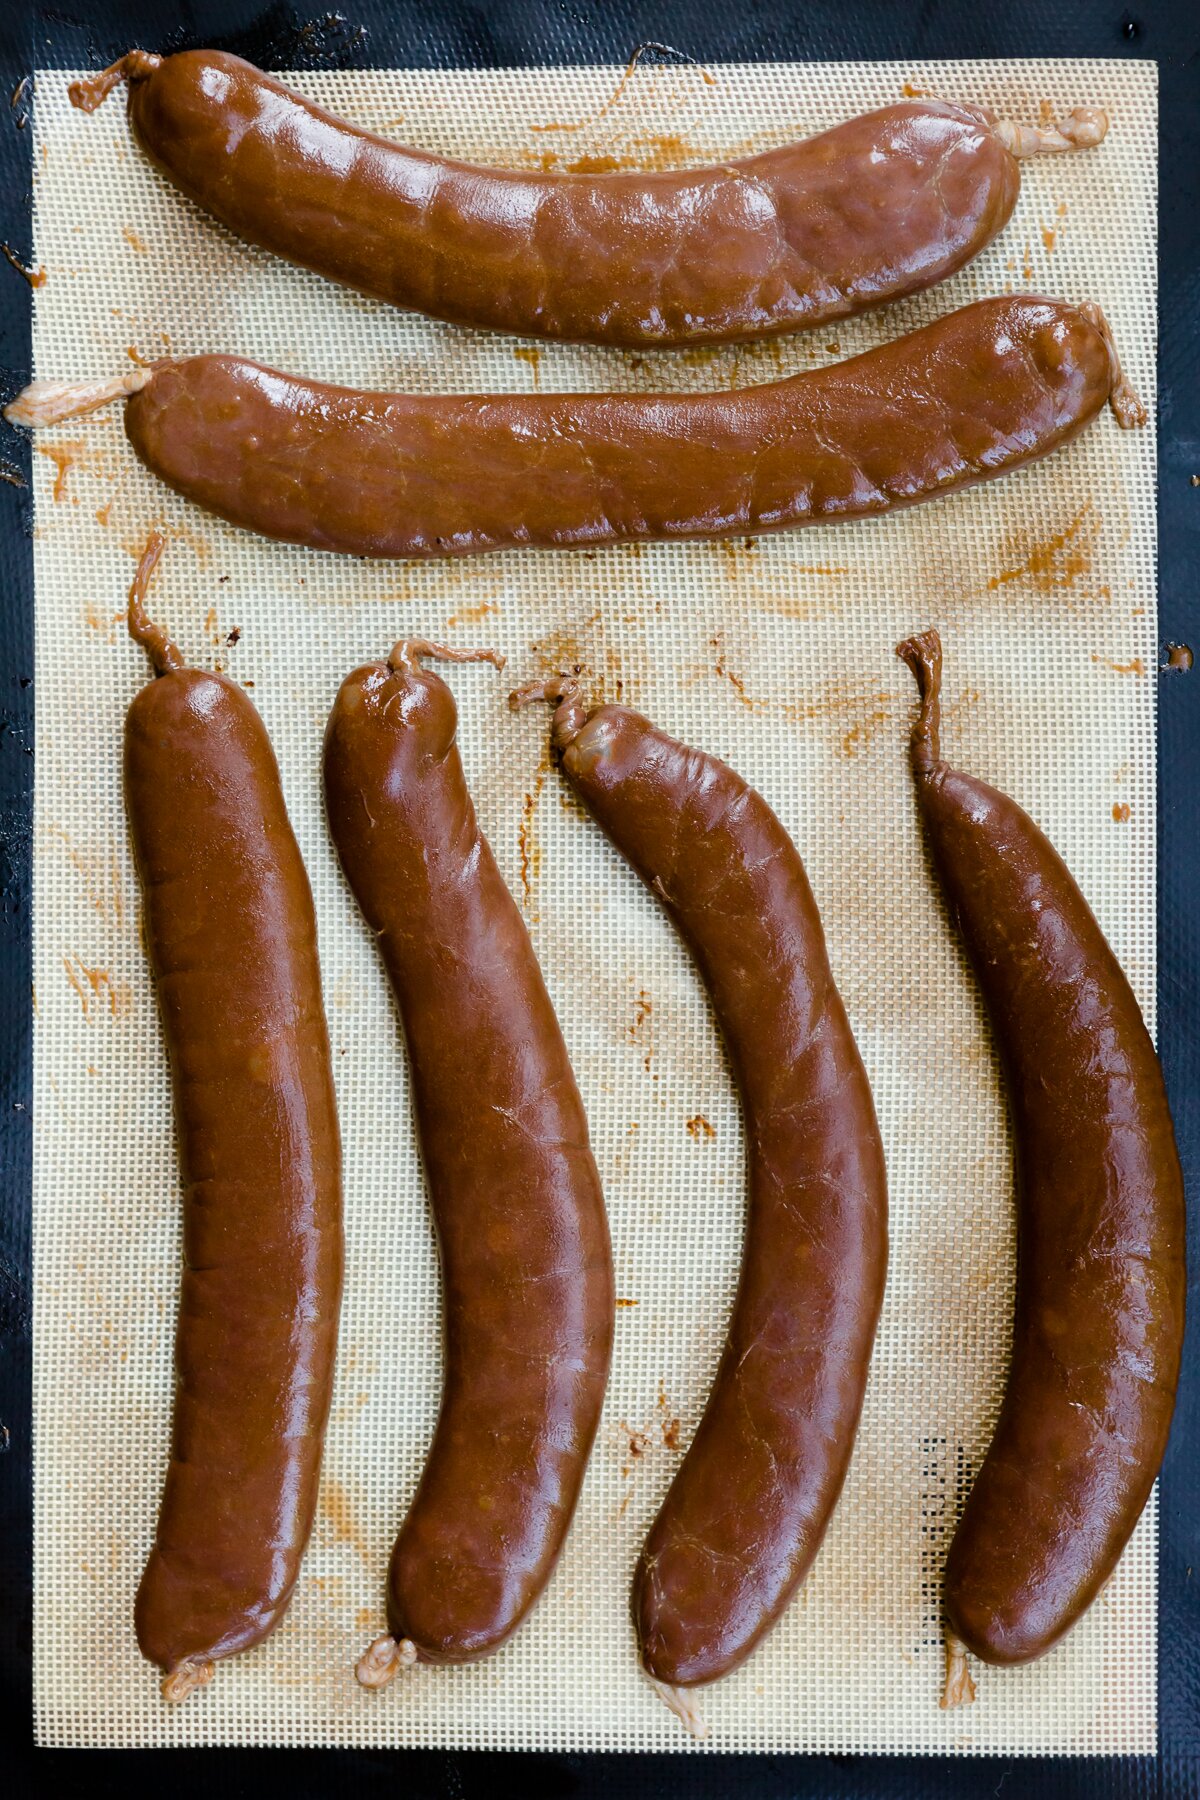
<point>1057,562</point>
<point>472,615</point>
<point>527,353</point>
<point>99,982</point>
<point>335,1504</point>
<point>63,456</point>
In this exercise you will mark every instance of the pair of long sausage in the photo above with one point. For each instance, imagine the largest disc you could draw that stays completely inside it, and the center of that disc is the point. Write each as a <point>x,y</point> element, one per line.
<point>517,1204</point>
<point>1101,1276</point>
<point>748,1508</point>
<point>231,935</point>
<point>879,207</point>
<point>972,396</point>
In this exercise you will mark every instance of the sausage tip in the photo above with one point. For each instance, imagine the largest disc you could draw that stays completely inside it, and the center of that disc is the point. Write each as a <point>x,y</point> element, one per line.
<point>185,1678</point>
<point>923,654</point>
<point>93,90</point>
<point>959,1689</point>
<point>1082,129</point>
<point>50,402</point>
<point>162,651</point>
<point>682,1703</point>
<point>1127,408</point>
<point>383,1660</point>
<point>409,653</point>
<point>564,693</point>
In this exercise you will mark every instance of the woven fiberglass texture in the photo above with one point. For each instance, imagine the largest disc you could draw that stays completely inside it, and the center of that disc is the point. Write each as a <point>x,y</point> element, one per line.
<point>776,654</point>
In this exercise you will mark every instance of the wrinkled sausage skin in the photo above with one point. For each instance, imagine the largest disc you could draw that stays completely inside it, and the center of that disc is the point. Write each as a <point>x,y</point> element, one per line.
<point>746,1513</point>
<point>1098,1322</point>
<point>881,206</point>
<point>231,934</point>
<point>977,393</point>
<point>516,1198</point>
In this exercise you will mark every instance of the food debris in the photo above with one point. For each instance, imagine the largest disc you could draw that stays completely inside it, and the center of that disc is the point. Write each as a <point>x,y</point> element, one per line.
<point>699,1127</point>
<point>639,1031</point>
<point>1179,657</point>
<point>35,277</point>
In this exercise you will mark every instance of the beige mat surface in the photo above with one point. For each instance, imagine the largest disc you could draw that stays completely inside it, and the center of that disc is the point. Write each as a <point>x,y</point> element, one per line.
<point>775,654</point>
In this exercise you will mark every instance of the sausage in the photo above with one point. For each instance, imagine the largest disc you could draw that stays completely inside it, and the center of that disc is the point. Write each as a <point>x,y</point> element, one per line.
<point>1098,1321</point>
<point>748,1508</point>
<point>969,397</point>
<point>517,1204</point>
<point>231,935</point>
<point>881,206</point>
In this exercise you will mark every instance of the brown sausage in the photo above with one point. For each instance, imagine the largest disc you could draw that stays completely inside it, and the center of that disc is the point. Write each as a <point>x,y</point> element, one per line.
<point>881,206</point>
<point>746,1513</point>
<point>516,1197</point>
<point>232,941</point>
<point>979,392</point>
<point>1100,1221</point>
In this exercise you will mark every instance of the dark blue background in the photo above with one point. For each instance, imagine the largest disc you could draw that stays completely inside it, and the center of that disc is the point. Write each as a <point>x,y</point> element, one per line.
<point>506,32</point>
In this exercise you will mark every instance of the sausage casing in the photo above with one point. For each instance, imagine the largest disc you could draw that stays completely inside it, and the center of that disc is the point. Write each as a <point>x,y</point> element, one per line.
<point>1098,1323</point>
<point>878,207</point>
<point>517,1204</point>
<point>989,387</point>
<point>746,1513</point>
<point>231,935</point>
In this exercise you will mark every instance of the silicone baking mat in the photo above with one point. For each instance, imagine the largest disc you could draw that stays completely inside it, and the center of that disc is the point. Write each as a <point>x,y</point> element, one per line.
<point>775,653</point>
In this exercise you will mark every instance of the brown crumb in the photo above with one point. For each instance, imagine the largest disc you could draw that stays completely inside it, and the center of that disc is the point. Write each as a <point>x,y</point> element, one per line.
<point>1179,657</point>
<point>1121,811</point>
<point>623,1302</point>
<point>698,1126</point>
<point>234,635</point>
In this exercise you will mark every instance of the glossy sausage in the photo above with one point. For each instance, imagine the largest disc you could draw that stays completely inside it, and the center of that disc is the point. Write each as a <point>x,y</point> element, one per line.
<point>979,392</point>
<point>881,206</point>
<point>748,1508</point>
<point>1100,1224</point>
<point>232,940</point>
<point>516,1197</point>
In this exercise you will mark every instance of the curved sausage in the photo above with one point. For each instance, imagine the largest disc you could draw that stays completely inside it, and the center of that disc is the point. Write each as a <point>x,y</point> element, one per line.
<point>881,206</point>
<point>516,1197</point>
<point>979,392</point>
<point>748,1508</point>
<point>1100,1224</point>
<point>232,941</point>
